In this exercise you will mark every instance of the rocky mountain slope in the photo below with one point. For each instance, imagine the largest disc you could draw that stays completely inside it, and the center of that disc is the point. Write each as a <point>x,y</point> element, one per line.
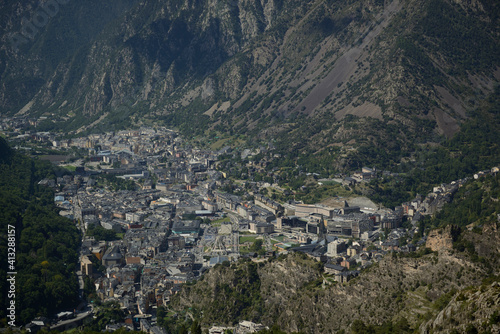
<point>310,74</point>
<point>439,291</point>
<point>475,310</point>
<point>450,284</point>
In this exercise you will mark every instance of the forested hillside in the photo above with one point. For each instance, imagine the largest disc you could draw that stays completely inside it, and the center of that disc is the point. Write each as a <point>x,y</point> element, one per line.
<point>46,243</point>
<point>475,147</point>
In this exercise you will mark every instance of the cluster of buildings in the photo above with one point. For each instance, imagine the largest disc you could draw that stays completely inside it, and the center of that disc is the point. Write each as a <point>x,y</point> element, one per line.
<point>169,224</point>
<point>161,221</point>
<point>178,222</point>
<point>14,126</point>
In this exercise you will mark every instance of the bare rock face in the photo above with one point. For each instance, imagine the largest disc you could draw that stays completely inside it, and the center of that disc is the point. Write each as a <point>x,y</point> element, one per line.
<point>440,239</point>
<point>491,233</point>
<point>474,310</point>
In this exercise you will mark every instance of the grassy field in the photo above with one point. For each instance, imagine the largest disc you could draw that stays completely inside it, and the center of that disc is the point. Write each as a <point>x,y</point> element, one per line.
<point>247,239</point>
<point>219,143</point>
<point>70,168</point>
<point>218,222</point>
<point>277,240</point>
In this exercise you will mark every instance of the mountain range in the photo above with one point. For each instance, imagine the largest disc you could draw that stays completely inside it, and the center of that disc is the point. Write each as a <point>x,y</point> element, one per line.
<point>311,76</point>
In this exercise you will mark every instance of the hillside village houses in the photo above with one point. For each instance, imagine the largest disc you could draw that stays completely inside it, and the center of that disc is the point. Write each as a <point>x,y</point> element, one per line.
<point>179,222</point>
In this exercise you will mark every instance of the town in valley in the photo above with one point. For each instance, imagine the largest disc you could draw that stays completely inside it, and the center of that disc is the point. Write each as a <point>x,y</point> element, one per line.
<point>156,213</point>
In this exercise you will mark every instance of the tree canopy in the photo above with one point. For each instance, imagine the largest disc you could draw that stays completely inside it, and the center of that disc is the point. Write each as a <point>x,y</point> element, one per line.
<point>46,243</point>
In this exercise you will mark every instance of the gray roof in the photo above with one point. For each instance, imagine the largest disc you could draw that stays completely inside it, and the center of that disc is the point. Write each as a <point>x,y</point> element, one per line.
<point>335,267</point>
<point>218,259</point>
<point>113,254</point>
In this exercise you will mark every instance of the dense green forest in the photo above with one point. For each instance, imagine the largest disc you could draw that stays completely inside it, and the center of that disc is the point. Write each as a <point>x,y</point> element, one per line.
<point>114,183</point>
<point>100,233</point>
<point>46,243</point>
<point>476,202</point>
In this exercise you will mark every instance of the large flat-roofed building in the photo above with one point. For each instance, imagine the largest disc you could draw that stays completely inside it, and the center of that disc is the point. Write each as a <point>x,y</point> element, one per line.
<point>304,210</point>
<point>290,221</point>
<point>349,209</point>
<point>186,227</point>
<point>335,248</point>
<point>227,201</point>
<point>349,225</point>
<point>209,205</point>
<point>261,228</point>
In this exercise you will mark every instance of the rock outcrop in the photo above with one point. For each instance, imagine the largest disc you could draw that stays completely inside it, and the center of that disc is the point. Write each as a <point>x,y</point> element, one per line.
<point>474,310</point>
<point>440,239</point>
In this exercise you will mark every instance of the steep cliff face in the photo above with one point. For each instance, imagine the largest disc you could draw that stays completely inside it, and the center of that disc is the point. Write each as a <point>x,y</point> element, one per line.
<point>310,73</point>
<point>440,239</point>
<point>138,49</point>
<point>42,46</point>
